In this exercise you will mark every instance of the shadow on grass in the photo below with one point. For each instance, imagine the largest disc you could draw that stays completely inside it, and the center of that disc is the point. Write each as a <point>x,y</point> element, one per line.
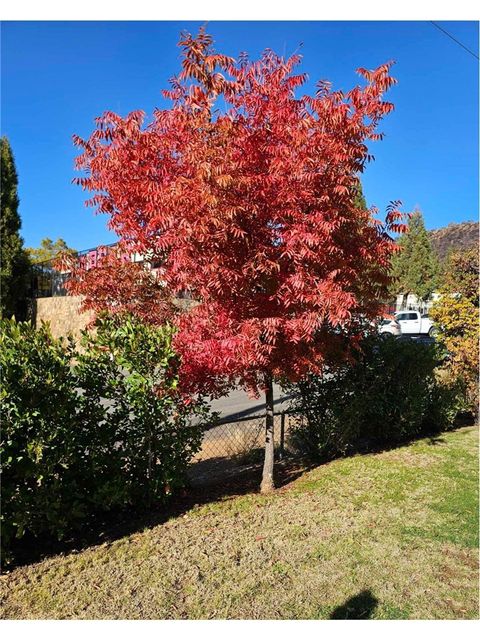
<point>359,607</point>
<point>433,437</point>
<point>211,481</point>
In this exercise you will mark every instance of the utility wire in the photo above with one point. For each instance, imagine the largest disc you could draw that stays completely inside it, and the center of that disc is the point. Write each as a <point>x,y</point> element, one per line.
<point>454,39</point>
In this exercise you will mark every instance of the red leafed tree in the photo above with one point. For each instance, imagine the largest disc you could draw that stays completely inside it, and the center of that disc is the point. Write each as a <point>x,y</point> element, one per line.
<point>249,194</point>
<point>118,285</point>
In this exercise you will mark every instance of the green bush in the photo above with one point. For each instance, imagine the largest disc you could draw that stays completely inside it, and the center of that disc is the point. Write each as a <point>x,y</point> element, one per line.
<point>88,430</point>
<point>154,430</point>
<point>389,394</point>
<point>39,423</point>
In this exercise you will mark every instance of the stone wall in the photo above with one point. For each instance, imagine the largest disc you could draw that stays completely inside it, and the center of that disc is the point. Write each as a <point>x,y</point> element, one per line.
<point>62,313</point>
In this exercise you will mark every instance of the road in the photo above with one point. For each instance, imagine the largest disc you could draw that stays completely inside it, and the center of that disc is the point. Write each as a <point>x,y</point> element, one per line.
<point>224,444</point>
<point>237,404</point>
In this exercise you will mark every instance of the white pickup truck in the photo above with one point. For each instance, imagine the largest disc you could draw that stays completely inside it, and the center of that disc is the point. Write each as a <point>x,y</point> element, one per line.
<point>414,322</point>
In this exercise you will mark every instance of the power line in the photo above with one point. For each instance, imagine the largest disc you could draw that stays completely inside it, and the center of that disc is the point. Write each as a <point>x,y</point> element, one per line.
<point>454,39</point>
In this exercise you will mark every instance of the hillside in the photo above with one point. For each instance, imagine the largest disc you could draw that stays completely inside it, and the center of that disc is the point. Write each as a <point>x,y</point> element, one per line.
<point>455,236</point>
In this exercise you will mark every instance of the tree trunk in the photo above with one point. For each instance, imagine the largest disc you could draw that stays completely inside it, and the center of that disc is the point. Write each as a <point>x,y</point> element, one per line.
<point>267,476</point>
<point>149,469</point>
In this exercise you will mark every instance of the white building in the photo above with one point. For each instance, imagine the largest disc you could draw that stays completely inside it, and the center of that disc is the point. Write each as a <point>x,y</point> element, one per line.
<point>410,301</point>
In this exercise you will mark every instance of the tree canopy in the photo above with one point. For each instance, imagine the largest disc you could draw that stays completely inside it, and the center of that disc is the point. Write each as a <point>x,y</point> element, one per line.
<point>457,322</point>
<point>415,267</point>
<point>14,261</point>
<point>49,250</point>
<point>249,195</point>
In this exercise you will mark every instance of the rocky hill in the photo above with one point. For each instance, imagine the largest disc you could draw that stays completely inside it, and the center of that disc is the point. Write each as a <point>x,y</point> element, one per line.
<point>455,236</point>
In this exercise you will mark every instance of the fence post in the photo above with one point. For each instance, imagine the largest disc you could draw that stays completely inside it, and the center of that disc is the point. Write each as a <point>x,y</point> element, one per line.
<point>282,435</point>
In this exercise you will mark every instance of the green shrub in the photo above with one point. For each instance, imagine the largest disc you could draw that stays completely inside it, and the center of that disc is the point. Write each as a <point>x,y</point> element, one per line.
<point>390,393</point>
<point>88,430</point>
<point>154,430</point>
<point>39,423</point>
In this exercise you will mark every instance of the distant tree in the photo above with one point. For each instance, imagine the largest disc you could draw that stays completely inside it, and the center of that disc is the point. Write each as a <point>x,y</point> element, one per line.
<point>14,269</point>
<point>360,201</point>
<point>415,268</point>
<point>456,318</point>
<point>49,250</point>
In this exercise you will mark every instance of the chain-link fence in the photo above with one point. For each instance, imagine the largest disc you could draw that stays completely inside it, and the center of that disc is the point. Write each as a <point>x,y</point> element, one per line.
<point>236,447</point>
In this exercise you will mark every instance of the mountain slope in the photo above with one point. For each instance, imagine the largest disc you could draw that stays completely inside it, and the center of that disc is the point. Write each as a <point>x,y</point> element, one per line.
<point>456,237</point>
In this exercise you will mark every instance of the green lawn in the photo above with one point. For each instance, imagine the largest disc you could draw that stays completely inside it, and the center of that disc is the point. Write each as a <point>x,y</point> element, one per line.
<point>389,535</point>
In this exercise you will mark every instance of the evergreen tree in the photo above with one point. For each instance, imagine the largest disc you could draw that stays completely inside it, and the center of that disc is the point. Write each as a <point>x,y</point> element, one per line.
<point>14,268</point>
<point>415,267</point>
<point>360,199</point>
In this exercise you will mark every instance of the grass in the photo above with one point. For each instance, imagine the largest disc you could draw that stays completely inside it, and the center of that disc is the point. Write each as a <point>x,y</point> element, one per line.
<point>390,535</point>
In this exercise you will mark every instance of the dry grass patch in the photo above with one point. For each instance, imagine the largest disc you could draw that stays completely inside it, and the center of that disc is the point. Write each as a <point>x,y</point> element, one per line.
<point>370,536</point>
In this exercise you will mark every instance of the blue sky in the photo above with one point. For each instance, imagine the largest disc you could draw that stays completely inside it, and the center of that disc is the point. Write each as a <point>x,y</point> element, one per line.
<point>58,76</point>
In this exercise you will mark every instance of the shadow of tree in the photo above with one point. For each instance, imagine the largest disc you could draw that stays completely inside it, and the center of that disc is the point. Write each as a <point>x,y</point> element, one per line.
<point>214,480</point>
<point>109,527</point>
<point>359,607</point>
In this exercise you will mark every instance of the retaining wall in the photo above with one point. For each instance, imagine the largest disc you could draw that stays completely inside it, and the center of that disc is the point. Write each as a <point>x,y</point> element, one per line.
<point>62,313</point>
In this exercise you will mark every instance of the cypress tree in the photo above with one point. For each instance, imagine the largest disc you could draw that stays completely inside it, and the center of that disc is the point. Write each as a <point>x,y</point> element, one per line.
<point>360,201</point>
<point>14,263</point>
<point>415,267</point>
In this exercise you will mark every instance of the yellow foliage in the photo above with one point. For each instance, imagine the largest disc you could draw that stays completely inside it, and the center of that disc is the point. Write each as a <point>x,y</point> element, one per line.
<point>457,321</point>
